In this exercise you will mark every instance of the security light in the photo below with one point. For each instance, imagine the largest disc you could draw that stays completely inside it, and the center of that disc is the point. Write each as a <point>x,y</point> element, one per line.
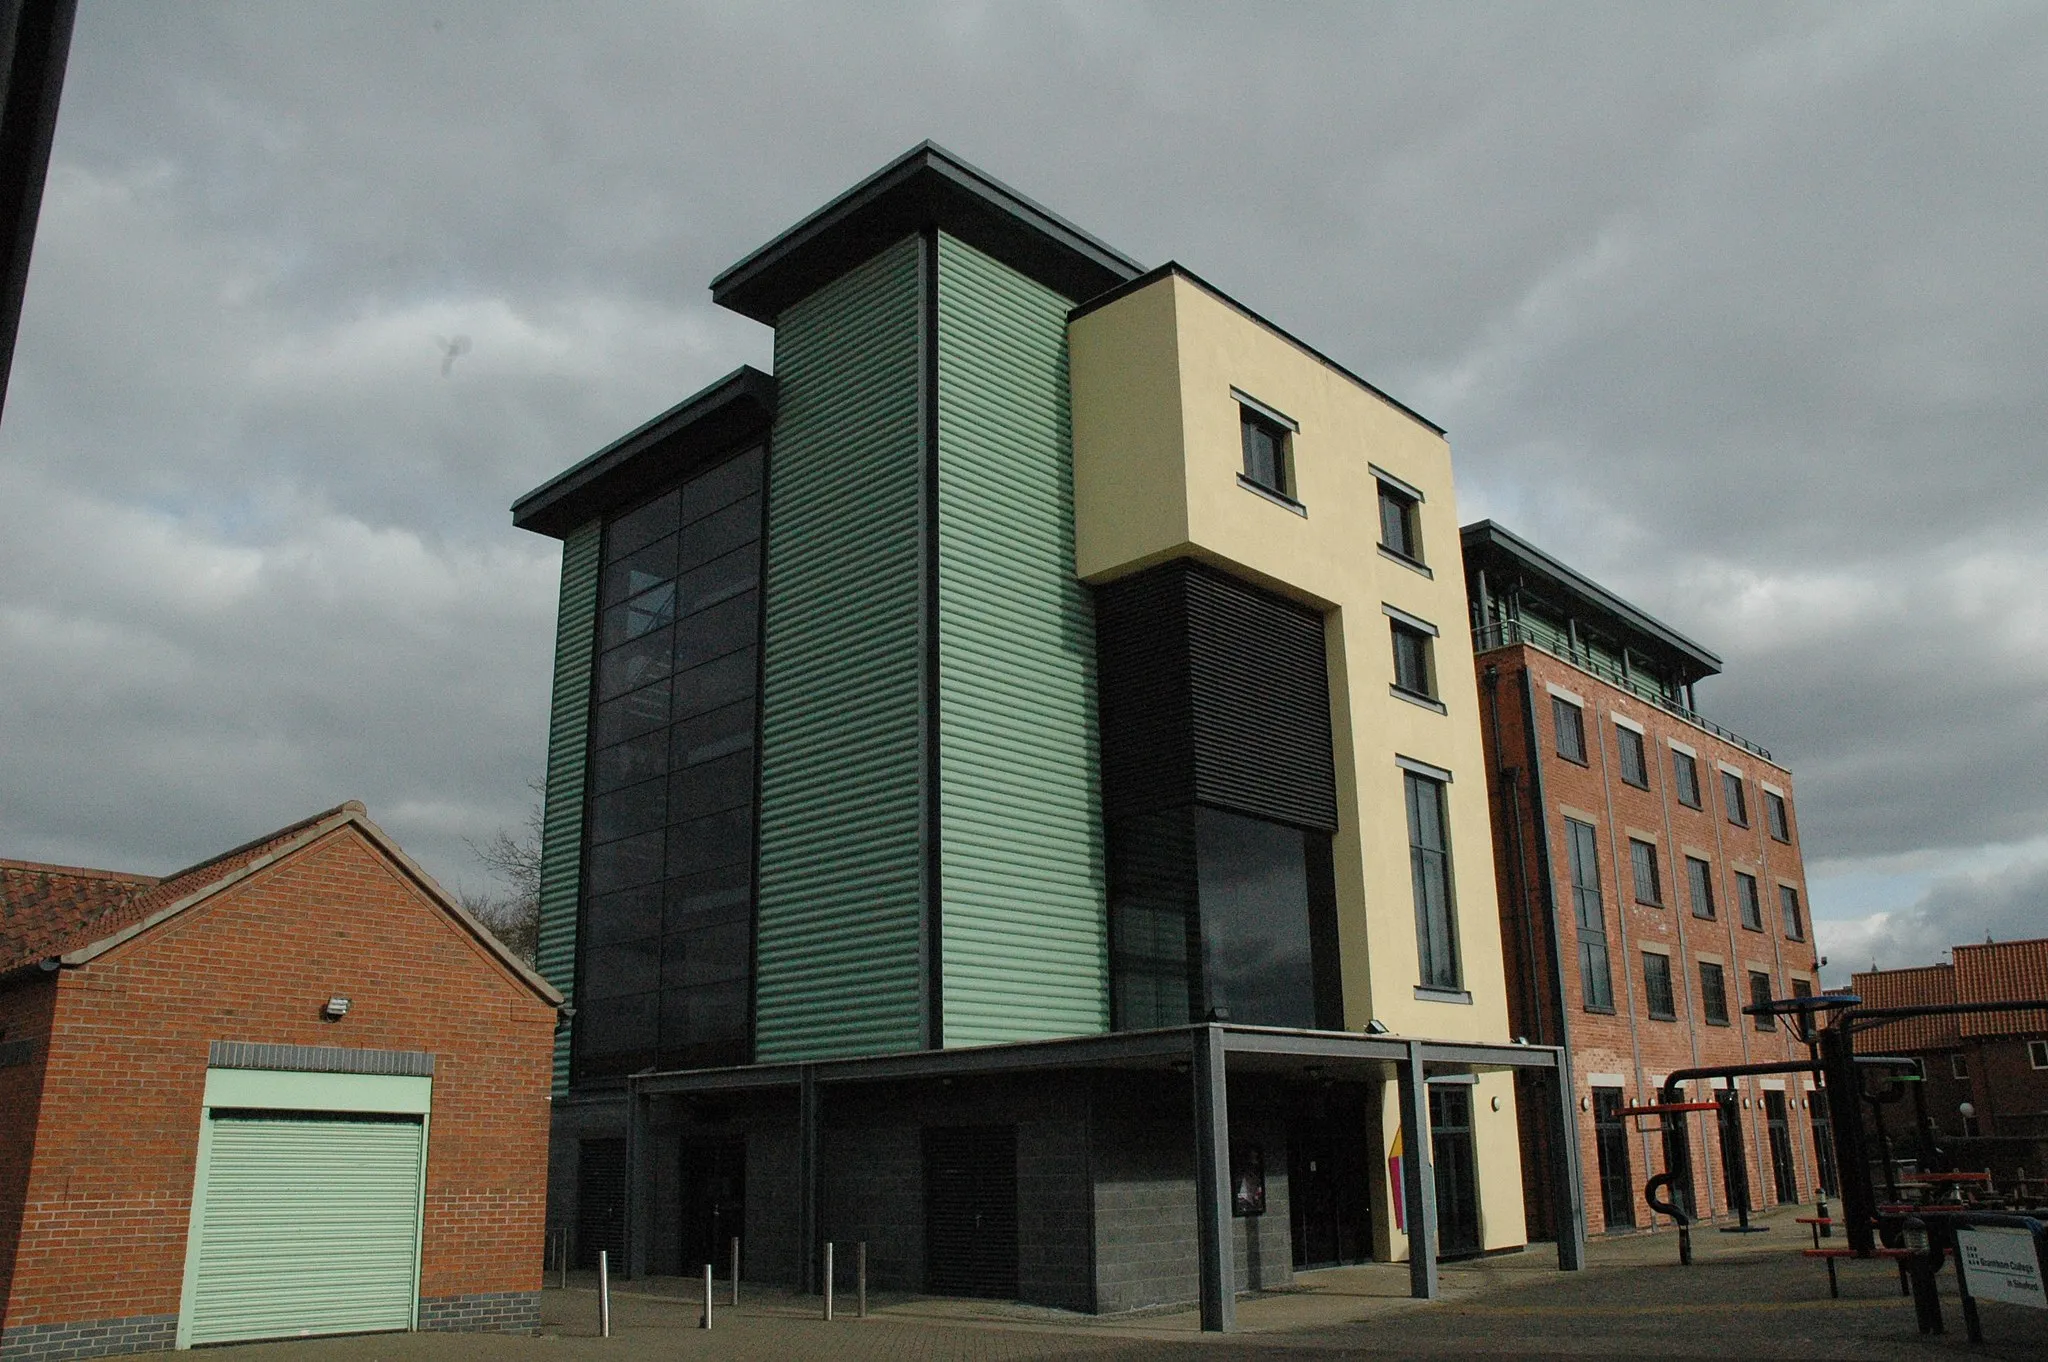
<point>1376,1027</point>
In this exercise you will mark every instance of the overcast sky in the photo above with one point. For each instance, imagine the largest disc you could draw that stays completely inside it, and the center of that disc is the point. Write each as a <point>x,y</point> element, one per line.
<point>1739,310</point>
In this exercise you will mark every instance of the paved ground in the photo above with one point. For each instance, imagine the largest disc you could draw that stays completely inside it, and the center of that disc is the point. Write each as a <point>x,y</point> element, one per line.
<point>1748,1297</point>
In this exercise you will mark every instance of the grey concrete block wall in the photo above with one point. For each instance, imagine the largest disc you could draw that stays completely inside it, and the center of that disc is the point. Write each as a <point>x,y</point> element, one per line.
<point>89,1338</point>
<point>1055,1206</point>
<point>573,1120</point>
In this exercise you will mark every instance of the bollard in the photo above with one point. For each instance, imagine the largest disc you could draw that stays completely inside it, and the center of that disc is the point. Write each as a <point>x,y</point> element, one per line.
<point>604,1293</point>
<point>828,1279</point>
<point>735,1269</point>
<point>860,1274</point>
<point>706,1324</point>
<point>1820,1211</point>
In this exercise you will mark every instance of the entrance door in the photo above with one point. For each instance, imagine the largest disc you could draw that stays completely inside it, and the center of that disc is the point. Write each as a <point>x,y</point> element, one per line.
<point>1783,1176</point>
<point>1457,1169</point>
<point>970,1211</point>
<point>601,1202</point>
<point>1610,1142</point>
<point>1327,1187</point>
<point>714,1203</point>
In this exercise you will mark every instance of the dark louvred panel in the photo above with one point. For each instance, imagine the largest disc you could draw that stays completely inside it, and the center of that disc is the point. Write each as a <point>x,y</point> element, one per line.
<point>601,1202</point>
<point>1215,691</point>
<point>970,1211</point>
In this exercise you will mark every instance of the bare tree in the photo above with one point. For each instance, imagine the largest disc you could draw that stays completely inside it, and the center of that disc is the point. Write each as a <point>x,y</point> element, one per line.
<point>513,861</point>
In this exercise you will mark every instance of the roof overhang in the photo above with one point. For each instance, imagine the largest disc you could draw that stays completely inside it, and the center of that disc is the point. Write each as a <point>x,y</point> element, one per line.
<point>927,186</point>
<point>737,408</point>
<point>1488,545</point>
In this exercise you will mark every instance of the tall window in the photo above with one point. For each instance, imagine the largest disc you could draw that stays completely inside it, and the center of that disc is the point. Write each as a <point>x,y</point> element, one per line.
<point>1699,882</point>
<point>1635,763</point>
<point>1643,861</point>
<point>1759,994</point>
<point>1400,523</point>
<point>1657,992</point>
<point>1746,899</point>
<point>1413,668</point>
<point>1429,860</point>
<point>1265,452</point>
<point>1776,817</point>
<point>1733,796</point>
<point>1571,729</point>
<point>1596,980</point>
<point>1685,777</point>
<point>1713,994</point>
<point>1788,906</point>
<point>665,943</point>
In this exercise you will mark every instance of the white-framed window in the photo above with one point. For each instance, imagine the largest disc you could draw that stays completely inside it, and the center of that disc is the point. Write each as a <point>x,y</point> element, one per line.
<point>2037,1053</point>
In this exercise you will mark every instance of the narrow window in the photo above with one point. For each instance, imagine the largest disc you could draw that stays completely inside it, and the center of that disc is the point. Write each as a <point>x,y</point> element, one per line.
<point>1643,860</point>
<point>1414,669</point>
<point>1745,897</point>
<point>1400,525</point>
<point>2037,1053</point>
<point>1699,880</point>
<point>1429,861</point>
<point>1571,729</point>
<point>1685,774</point>
<point>1635,765</point>
<point>1732,795</point>
<point>1759,994</point>
<point>1958,1066</point>
<point>1788,905</point>
<point>1265,452</point>
<point>1776,817</point>
<point>1595,978</point>
<point>1713,994</point>
<point>1657,994</point>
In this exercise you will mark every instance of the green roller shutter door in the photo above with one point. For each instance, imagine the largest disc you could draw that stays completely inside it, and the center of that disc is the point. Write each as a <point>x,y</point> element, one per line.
<point>309,1226</point>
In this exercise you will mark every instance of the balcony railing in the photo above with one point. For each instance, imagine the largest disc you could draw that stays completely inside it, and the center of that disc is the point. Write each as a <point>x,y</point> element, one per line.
<point>1511,631</point>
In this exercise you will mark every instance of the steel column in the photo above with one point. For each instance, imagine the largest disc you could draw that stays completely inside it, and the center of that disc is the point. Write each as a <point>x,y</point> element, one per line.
<point>638,1149</point>
<point>1212,1183</point>
<point>1570,1212</point>
<point>808,1177</point>
<point>1418,1175</point>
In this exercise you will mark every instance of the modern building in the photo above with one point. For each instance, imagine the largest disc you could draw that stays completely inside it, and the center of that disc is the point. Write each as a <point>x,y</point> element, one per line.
<point>1650,882</point>
<point>1001,767</point>
<point>1984,1076</point>
<point>291,1090</point>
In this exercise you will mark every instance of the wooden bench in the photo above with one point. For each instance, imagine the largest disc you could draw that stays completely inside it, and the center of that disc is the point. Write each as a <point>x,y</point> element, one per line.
<point>1829,1255</point>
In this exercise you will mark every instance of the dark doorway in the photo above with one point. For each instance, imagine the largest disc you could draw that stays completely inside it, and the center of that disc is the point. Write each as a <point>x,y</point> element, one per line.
<point>970,1211</point>
<point>1457,1169</point>
<point>1823,1142</point>
<point>1610,1143</point>
<point>714,1203</point>
<point>1328,1195</point>
<point>1784,1179</point>
<point>601,1203</point>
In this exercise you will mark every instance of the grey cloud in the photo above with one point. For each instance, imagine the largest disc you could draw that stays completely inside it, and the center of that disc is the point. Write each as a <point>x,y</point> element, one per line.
<point>1957,911</point>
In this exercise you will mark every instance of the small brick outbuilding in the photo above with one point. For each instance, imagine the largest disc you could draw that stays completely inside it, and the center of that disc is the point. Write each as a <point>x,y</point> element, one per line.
<point>306,1040</point>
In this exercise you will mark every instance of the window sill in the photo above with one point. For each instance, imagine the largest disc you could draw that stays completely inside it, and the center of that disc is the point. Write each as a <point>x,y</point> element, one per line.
<point>1758,929</point>
<point>1781,841</point>
<point>1712,1022</point>
<point>1576,761</point>
<point>1635,784</point>
<point>1648,903</point>
<point>1602,1011</point>
<point>1418,699</point>
<point>1687,804</point>
<point>1277,498</point>
<point>1425,994</point>
<point>1672,1018</point>
<point>1704,917</point>
<point>1738,823</point>
<point>1405,561</point>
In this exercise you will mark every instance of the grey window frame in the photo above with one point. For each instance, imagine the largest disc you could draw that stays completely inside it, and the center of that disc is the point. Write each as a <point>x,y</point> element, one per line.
<point>1436,917</point>
<point>1629,742</point>
<point>1778,817</point>
<point>1749,906</point>
<point>1425,648</point>
<point>1792,911</point>
<point>1700,884</point>
<point>1558,706</point>
<point>2037,1053</point>
<point>1710,1013</point>
<point>1735,798</point>
<point>1589,914</point>
<point>1685,774</point>
<point>1281,433</point>
<point>1669,1011</point>
<point>1407,504</point>
<point>1639,864</point>
<point>1764,1020</point>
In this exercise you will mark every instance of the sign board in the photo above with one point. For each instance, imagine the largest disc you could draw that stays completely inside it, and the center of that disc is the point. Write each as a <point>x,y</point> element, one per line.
<point>2002,1263</point>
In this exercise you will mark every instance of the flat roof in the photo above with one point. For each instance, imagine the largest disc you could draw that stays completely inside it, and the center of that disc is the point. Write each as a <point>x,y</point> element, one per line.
<point>1485,540</point>
<point>737,408</point>
<point>927,186</point>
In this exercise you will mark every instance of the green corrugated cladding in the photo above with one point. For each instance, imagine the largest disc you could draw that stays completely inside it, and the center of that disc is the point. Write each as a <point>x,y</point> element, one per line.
<point>838,959</point>
<point>561,837</point>
<point>1020,823</point>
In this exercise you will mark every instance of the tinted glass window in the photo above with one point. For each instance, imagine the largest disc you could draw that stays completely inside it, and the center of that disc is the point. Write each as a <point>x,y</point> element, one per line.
<point>1571,729</point>
<point>630,915</point>
<point>1398,530</point>
<point>1429,869</point>
<point>1746,899</point>
<point>1759,994</point>
<point>634,664</point>
<point>1411,661</point>
<point>1265,452</point>
<point>636,759</point>
<point>1713,993</point>
<point>636,808</point>
<point>1788,907</point>
<point>1635,766</point>
<point>1153,919</point>
<point>712,785</point>
<point>1732,795</point>
<point>1657,987</point>
<point>1699,879</point>
<point>1253,885</point>
<point>721,629</point>
<point>720,533</point>
<point>721,895</point>
<point>717,734</point>
<point>1685,775</point>
<point>638,572</point>
<point>646,612</point>
<point>718,580</point>
<point>637,529</point>
<point>721,486</point>
<point>632,714</point>
<point>1596,979</point>
<point>721,839</point>
<point>1643,861</point>
<point>715,684</point>
<point>1775,815</point>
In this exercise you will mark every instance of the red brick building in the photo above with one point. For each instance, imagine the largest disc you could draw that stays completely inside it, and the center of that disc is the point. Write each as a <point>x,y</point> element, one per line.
<point>1650,885</point>
<point>304,1038</point>
<point>1996,1063</point>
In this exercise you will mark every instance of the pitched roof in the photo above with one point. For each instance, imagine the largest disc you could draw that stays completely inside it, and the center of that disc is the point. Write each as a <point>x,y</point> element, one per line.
<point>69,915</point>
<point>2003,971</point>
<point>1926,985</point>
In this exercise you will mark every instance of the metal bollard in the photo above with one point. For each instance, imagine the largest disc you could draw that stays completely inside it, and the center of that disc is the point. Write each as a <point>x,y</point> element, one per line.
<point>828,1279</point>
<point>604,1293</point>
<point>860,1274</point>
<point>706,1323</point>
<point>735,1269</point>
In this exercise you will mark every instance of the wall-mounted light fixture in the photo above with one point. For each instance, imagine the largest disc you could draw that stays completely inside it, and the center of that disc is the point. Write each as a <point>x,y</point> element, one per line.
<point>336,1009</point>
<point>1585,1104</point>
<point>1376,1027</point>
<point>1496,1101</point>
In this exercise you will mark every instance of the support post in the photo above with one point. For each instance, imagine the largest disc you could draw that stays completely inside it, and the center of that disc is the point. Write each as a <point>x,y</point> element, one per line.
<point>735,1269</point>
<point>1419,1176</point>
<point>807,1175</point>
<point>828,1279</point>
<point>604,1293</point>
<point>1845,1123</point>
<point>1212,1183</point>
<point>639,1149</point>
<point>706,1322</point>
<point>1570,1211</point>
<point>860,1274</point>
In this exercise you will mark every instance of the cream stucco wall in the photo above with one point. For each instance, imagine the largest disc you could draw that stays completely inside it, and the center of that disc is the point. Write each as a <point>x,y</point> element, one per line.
<point>1157,454</point>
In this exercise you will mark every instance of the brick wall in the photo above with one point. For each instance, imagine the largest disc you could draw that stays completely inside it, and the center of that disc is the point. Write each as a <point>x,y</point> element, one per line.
<point>1627,1042</point>
<point>109,1194</point>
<point>24,1028</point>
